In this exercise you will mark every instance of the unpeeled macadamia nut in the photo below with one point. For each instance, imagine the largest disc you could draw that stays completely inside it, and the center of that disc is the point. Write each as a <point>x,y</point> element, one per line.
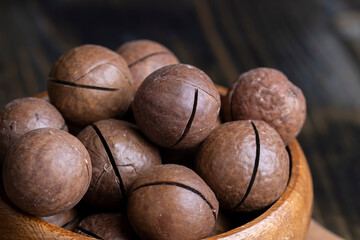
<point>176,106</point>
<point>145,56</point>
<point>172,202</point>
<point>90,83</point>
<point>46,172</point>
<point>109,226</point>
<point>23,115</point>
<point>245,163</point>
<point>119,154</point>
<point>267,94</point>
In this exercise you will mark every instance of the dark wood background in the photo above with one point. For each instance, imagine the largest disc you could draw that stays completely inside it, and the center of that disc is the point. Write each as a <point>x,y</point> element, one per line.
<point>316,43</point>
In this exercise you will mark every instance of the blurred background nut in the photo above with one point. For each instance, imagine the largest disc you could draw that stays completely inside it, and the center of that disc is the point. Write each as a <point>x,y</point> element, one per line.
<point>267,94</point>
<point>145,56</point>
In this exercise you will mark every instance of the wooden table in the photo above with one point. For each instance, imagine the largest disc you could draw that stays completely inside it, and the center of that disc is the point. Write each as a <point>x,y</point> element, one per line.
<point>318,232</point>
<point>315,43</point>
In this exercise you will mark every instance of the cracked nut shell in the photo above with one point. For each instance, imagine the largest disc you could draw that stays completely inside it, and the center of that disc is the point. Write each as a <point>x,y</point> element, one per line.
<point>115,142</point>
<point>46,172</point>
<point>145,56</point>
<point>109,226</point>
<point>23,115</point>
<point>172,202</point>
<point>245,163</point>
<point>267,94</point>
<point>176,106</point>
<point>90,83</point>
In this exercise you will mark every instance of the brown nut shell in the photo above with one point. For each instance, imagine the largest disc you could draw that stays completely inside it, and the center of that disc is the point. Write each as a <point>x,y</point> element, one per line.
<point>63,219</point>
<point>109,226</point>
<point>267,94</point>
<point>90,83</point>
<point>47,171</point>
<point>119,154</point>
<point>245,163</point>
<point>172,202</point>
<point>23,115</point>
<point>176,106</point>
<point>144,57</point>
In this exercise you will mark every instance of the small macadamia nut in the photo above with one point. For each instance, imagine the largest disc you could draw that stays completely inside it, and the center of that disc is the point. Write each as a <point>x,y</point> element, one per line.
<point>172,202</point>
<point>176,106</point>
<point>245,163</point>
<point>145,56</point>
<point>90,83</point>
<point>46,172</point>
<point>23,115</point>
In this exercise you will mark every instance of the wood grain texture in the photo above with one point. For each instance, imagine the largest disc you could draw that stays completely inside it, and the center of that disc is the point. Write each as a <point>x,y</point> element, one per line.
<point>318,232</point>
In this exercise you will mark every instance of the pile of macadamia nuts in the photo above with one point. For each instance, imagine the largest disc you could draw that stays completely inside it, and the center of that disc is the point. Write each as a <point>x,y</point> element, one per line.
<point>130,145</point>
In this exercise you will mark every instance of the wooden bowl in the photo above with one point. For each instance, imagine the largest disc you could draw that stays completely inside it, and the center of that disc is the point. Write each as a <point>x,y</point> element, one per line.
<point>287,218</point>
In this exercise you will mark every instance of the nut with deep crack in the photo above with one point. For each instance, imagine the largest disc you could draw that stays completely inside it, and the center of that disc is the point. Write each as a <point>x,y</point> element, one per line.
<point>176,106</point>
